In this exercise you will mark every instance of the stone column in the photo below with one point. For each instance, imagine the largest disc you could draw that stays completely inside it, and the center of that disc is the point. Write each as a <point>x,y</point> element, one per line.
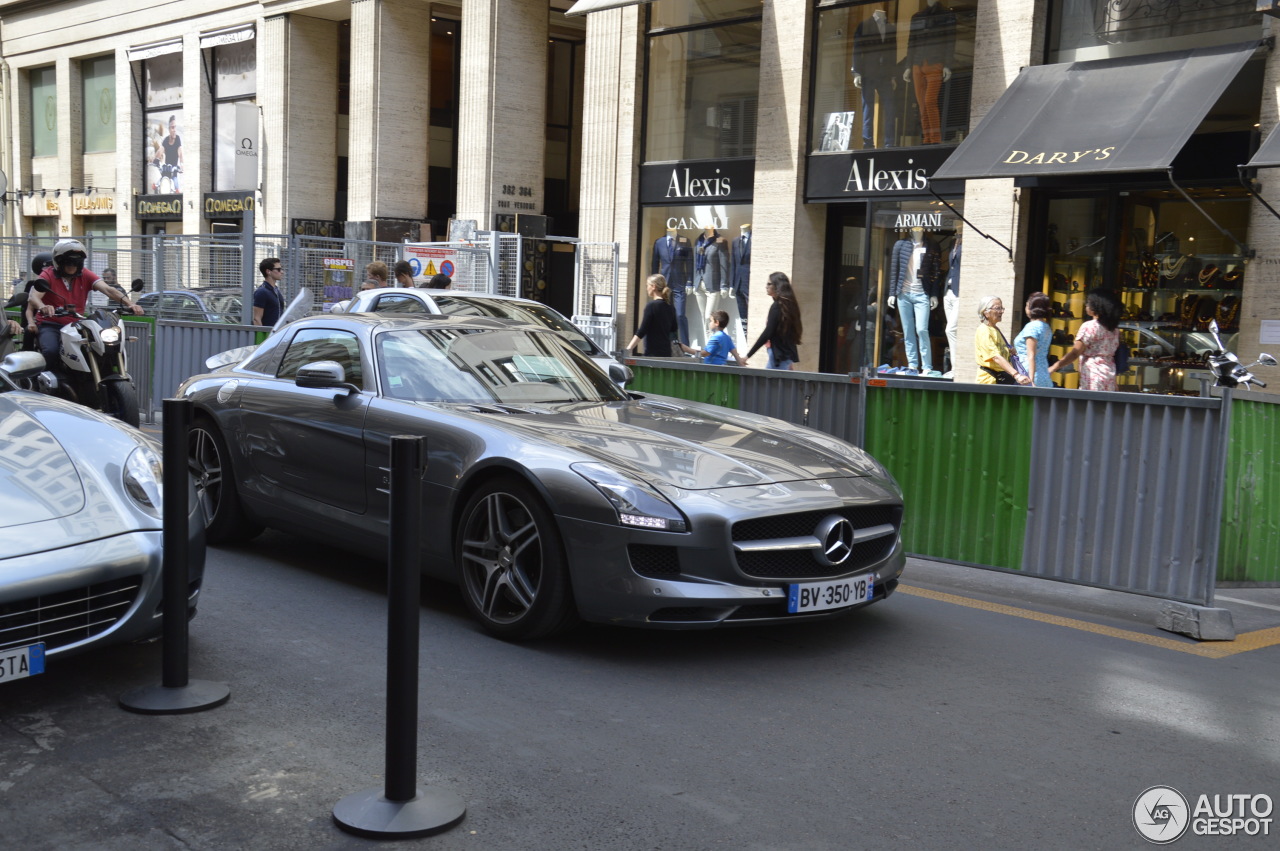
<point>1260,298</point>
<point>610,194</point>
<point>502,109</point>
<point>298,84</point>
<point>390,110</point>
<point>787,233</point>
<point>129,172</point>
<point>197,136</point>
<point>1009,37</point>
<point>70,143</point>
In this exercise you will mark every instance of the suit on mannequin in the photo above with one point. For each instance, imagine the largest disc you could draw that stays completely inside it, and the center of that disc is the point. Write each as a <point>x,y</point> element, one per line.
<point>875,70</point>
<point>740,269</point>
<point>930,50</point>
<point>914,279</point>
<point>671,261</point>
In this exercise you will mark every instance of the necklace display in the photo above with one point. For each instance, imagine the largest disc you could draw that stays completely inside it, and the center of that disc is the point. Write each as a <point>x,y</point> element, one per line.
<point>1232,277</point>
<point>1228,312</point>
<point>1208,275</point>
<point>1172,268</point>
<point>1148,270</point>
<point>1188,312</point>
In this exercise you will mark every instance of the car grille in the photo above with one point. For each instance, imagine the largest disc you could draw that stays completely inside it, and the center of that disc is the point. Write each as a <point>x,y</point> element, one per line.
<point>797,564</point>
<point>68,616</point>
<point>654,561</point>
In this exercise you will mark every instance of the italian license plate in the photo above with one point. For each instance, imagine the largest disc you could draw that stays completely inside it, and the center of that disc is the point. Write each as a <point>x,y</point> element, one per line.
<point>816,596</point>
<point>17,663</point>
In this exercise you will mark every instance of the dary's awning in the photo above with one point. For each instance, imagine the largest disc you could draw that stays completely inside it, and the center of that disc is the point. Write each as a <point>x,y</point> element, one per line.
<point>1268,156</point>
<point>582,7</point>
<point>1131,113</point>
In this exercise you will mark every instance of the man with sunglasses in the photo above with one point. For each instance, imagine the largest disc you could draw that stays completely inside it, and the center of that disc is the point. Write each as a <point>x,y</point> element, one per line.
<point>268,300</point>
<point>66,283</point>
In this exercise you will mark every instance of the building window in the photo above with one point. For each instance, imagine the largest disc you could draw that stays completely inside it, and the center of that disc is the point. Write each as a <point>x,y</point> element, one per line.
<point>44,113</point>
<point>163,159</point>
<point>1090,29</point>
<point>703,85</point>
<point>98,82</point>
<point>235,116</point>
<point>892,75</point>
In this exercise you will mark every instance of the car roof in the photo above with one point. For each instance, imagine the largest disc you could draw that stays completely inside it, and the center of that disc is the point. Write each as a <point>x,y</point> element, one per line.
<point>393,322</point>
<point>452,293</point>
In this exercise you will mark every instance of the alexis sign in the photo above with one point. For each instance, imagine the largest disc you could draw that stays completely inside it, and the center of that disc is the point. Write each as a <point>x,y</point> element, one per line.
<point>875,174</point>
<point>700,182</point>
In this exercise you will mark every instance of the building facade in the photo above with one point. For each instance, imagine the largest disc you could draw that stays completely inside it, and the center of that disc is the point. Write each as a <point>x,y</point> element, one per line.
<point>840,142</point>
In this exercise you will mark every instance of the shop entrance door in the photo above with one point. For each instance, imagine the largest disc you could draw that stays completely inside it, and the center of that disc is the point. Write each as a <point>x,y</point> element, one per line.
<point>849,307</point>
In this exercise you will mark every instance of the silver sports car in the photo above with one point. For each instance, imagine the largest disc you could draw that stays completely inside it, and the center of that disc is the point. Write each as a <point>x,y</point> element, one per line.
<point>80,527</point>
<point>550,494</point>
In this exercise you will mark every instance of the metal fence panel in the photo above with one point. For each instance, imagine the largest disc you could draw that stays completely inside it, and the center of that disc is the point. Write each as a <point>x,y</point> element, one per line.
<point>829,403</point>
<point>596,264</point>
<point>1249,549</point>
<point>686,380</point>
<point>1118,497</point>
<point>961,455</point>
<point>139,341</point>
<point>182,347</point>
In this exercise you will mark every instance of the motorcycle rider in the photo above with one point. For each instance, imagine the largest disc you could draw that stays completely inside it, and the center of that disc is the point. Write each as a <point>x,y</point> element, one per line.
<point>67,283</point>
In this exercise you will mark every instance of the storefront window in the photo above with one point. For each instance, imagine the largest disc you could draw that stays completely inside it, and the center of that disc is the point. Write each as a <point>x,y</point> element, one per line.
<point>1173,270</point>
<point>703,251</point>
<point>900,251</point>
<point>163,159</point>
<point>235,116</point>
<point>892,75</point>
<point>703,88</point>
<point>44,113</point>
<point>1087,25</point>
<point>677,13</point>
<point>98,79</point>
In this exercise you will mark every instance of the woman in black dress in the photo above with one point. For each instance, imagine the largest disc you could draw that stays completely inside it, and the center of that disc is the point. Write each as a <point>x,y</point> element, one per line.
<point>658,324</point>
<point>783,328</point>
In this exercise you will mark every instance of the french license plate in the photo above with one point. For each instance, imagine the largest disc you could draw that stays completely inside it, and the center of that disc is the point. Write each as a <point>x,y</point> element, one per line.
<point>816,596</point>
<point>17,663</point>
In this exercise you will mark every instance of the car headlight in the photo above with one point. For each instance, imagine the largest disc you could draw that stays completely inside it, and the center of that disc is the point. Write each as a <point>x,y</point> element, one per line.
<point>143,480</point>
<point>637,503</point>
<point>110,335</point>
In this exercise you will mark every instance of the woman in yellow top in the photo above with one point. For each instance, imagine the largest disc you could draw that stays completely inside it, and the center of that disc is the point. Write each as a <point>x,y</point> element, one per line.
<point>990,347</point>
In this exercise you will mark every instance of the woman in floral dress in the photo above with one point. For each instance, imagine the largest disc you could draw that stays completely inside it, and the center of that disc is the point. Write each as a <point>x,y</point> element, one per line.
<point>1096,343</point>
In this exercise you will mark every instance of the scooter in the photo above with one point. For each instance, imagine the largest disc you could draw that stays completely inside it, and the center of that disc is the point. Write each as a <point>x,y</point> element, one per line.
<point>95,369</point>
<point>1227,369</point>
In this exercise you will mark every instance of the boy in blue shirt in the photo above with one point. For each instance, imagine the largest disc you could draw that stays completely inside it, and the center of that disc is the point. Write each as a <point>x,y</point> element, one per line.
<point>719,345</point>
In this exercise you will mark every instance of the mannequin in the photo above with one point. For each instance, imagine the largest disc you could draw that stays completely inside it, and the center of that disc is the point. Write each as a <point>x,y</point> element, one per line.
<point>913,290</point>
<point>874,64</point>
<point>951,299</point>
<point>671,260</point>
<point>740,269</point>
<point>930,51</point>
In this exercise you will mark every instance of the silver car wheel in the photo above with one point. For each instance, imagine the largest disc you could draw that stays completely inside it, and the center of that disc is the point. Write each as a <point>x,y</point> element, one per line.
<point>512,564</point>
<point>210,464</point>
<point>206,466</point>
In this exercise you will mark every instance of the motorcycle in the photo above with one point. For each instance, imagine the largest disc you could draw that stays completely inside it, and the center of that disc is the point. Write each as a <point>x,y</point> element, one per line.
<point>1226,367</point>
<point>95,369</point>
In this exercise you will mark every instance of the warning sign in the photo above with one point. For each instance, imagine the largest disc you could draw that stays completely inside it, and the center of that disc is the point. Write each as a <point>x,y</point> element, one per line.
<point>428,261</point>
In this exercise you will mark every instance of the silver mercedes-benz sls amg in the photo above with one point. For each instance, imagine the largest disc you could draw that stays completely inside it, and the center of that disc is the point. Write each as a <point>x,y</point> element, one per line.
<point>550,494</point>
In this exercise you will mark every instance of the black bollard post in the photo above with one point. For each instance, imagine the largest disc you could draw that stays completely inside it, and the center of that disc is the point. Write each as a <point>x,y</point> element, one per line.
<point>176,693</point>
<point>400,810</point>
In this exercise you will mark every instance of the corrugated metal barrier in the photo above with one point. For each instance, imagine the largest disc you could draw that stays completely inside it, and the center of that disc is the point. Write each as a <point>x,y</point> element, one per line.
<point>1114,490</point>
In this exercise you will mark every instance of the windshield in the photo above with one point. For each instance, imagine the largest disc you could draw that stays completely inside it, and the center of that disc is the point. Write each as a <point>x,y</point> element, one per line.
<point>481,365</point>
<point>533,313</point>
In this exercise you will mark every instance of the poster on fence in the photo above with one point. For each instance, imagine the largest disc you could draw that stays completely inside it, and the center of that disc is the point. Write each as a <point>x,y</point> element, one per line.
<point>339,276</point>
<point>428,261</point>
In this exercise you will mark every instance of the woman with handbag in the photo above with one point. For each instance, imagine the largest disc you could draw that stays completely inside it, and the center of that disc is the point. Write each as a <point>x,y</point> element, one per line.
<point>995,364</point>
<point>658,323</point>
<point>1096,343</point>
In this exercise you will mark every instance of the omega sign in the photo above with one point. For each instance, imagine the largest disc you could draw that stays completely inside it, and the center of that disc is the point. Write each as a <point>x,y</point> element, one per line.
<point>227,205</point>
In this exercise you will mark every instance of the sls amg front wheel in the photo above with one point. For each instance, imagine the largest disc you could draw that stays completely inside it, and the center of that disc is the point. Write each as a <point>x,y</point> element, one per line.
<point>225,520</point>
<point>514,576</point>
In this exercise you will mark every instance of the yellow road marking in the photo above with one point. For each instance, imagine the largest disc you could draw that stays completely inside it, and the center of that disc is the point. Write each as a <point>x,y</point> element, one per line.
<point>1210,650</point>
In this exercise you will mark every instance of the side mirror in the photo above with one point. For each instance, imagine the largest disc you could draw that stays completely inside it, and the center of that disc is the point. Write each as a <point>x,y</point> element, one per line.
<point>1266,359</point>
<point>324,375</point>
<point>621,374</point>
<point>22,365</point>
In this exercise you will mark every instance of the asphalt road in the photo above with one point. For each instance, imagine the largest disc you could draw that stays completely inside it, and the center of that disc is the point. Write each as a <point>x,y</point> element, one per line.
<point>974,710</point>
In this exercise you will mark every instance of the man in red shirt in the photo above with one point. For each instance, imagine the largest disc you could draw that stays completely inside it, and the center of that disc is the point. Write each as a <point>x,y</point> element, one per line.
<point>67,284</point>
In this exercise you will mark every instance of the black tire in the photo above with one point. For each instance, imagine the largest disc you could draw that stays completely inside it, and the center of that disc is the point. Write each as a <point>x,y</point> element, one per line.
<point>512,565</point>
<point>225,520</point>
<point>120,400</point>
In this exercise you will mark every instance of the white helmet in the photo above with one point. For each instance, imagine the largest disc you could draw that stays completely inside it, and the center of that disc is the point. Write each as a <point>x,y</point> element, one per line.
<point>65,251</point>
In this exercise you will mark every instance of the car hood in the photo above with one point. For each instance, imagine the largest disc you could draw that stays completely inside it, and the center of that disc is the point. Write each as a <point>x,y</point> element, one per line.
<point>686,445</point>
<point>38,479</point>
